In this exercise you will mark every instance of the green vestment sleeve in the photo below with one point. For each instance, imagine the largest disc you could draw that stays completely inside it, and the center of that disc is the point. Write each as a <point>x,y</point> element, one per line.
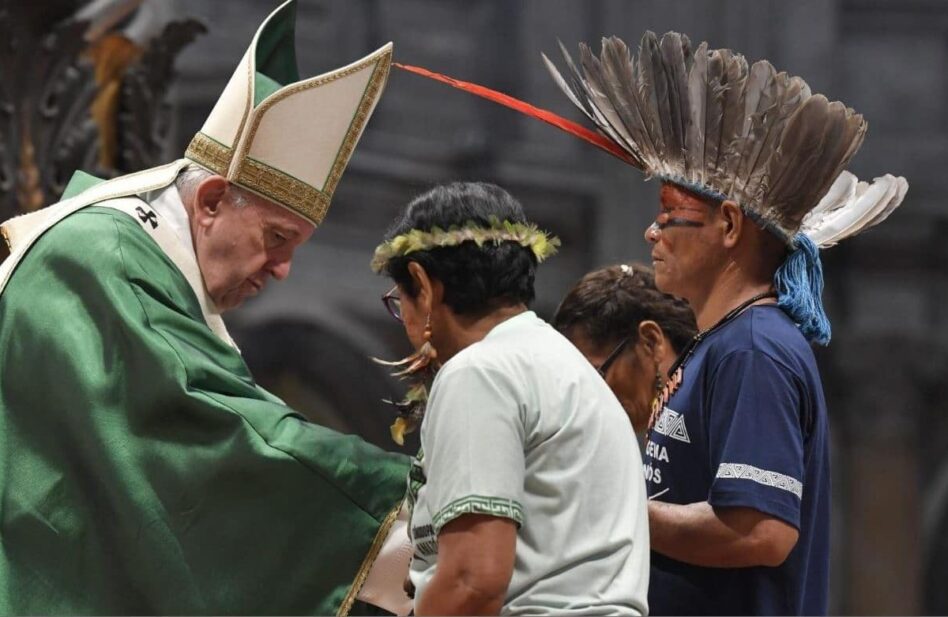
<point>141,468</point>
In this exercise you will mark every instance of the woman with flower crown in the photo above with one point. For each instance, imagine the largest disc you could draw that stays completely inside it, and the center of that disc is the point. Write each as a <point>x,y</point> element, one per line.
<point>527,495</point>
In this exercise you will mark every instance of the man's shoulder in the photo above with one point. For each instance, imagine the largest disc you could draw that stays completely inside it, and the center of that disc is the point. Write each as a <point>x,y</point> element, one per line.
<point>764,331</point>
<point>95,231</point>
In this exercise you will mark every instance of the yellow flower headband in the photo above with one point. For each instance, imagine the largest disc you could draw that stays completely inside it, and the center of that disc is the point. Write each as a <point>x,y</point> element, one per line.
<point>528,236</point>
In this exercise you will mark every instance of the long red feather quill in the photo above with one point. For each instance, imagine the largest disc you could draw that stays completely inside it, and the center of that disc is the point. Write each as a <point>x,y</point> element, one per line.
<point>578,130</point>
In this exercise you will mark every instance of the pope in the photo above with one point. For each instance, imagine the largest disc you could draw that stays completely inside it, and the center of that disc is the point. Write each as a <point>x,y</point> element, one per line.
<point>142,470</point>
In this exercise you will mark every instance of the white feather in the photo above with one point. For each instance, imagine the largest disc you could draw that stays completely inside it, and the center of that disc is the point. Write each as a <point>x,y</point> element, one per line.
<point>848,210</point>
<point>841,192</point>
<point>901,190</point>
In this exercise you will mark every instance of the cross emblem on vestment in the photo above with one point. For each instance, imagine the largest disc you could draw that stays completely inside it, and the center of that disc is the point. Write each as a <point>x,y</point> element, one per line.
<point>147,217</point>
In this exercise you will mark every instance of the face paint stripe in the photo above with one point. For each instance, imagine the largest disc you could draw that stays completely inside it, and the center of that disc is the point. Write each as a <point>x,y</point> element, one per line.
<point>679,223</point>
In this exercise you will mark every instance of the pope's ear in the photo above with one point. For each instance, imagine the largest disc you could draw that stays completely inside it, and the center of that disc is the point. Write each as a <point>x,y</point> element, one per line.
<point>207,198</point>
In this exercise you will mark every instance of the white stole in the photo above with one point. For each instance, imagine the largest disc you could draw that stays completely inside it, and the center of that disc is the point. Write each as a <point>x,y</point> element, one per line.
<point>23,231</point>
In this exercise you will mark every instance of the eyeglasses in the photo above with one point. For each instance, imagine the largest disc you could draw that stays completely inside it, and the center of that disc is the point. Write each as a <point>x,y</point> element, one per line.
<point>393,303</point>
<point>603,368</point>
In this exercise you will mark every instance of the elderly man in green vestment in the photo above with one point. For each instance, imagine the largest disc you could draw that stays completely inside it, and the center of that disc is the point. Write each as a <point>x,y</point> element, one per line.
<point>141,468</point>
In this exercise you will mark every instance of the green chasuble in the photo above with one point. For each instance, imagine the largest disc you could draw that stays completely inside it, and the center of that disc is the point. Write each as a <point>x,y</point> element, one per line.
<point>142,470</point>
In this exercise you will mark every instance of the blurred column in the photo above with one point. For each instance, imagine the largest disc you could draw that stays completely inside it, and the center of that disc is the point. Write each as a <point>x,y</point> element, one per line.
<point>877,391</point>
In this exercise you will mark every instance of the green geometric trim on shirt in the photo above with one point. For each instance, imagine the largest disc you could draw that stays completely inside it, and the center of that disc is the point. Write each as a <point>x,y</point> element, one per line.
<point>478,504</point>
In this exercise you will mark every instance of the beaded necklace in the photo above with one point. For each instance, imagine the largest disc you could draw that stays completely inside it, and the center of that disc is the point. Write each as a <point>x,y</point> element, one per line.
<point>677,370</point>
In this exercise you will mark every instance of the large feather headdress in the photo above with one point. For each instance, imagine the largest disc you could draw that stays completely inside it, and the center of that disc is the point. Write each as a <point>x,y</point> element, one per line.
<point>707,121</point>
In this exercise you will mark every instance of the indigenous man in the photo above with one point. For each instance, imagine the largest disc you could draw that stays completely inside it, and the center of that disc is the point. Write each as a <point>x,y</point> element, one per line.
<point>141,468</point>
<point>751,164</point>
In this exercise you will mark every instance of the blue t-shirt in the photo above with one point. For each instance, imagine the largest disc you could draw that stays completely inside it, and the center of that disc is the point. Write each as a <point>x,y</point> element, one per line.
<point>747,427</point>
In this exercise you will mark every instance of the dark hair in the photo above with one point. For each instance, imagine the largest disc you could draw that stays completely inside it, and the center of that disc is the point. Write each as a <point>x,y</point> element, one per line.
<point>609,304</point>
<point>476,278</point>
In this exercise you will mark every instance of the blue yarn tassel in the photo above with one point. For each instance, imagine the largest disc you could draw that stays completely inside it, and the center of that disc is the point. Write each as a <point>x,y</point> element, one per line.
<point>799,283</point>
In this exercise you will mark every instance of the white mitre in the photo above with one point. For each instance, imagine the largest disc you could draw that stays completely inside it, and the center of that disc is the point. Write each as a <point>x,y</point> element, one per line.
<point>282,138</point>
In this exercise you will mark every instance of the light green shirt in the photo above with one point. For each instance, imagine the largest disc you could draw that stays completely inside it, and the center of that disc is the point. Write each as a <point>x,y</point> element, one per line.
<point>520,425</point>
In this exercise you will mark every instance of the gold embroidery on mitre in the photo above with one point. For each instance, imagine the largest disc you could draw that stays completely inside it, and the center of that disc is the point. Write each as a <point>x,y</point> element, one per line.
<point>248,109</point>
<point>379,75</point>
<point>277,185</point>
<point>279,95</point>
<point>283,189</point>
<point>211,154</point>
<point>315,204</point>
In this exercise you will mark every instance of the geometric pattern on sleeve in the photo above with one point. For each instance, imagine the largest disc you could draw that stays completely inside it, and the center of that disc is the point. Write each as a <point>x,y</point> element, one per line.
<point>477,504</point>
<point>740,471</point>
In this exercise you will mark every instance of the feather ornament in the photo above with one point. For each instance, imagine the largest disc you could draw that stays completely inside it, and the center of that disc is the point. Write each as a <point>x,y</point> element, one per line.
<point>620,82</point>
<point>675,55</point>
<point>731,119</point>
<point>697,110</point>
<point>549,117</point>
<point>653,92</point>
<point>713,112</point>
<point>820,137</point>
<point>607,116</point>
<point>419,368</point>
<point>761,96</point>
<point>851,207</point>
<point>841,192</point>
<point>710,123</point>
